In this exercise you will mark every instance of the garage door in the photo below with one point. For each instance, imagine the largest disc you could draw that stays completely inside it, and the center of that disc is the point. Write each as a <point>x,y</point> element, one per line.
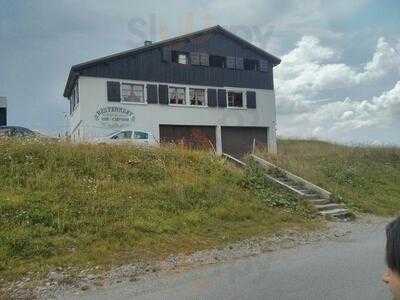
<point>3,116</point>
<point>238,141</point>
<point>197,137</point>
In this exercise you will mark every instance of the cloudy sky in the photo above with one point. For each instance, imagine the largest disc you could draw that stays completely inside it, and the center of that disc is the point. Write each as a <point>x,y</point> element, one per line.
<point>339,78</point>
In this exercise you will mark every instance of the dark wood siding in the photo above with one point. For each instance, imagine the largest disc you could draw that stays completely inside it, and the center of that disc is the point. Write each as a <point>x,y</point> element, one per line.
<point>155,65</point>
<point>3,116</point>
<point>238,141</point>
<point>197,137</point>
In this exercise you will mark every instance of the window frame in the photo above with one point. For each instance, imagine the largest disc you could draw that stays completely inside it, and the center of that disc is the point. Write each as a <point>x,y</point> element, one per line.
<point>143,85</point>
<point>175,57</point>
<point>74,97</point>
<point>134,82</point>
<point>177,87</point>
<point>205,104</point>
<point>243,92</point>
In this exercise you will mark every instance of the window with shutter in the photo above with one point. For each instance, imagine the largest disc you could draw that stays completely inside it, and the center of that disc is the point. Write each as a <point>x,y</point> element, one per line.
<point>180,57</point>
<point>195,58</point>
<point>212,97</point>
<point>264,65</point>
<point>113,91</point>
<point>251,99</point>
<point>197,97</point>
<point>230,62</point>
<point>132,92</point>
<point>177,95</point>
<point>152,95</point>
<point>239,63</point>
<point>204,59</point>
<point>221,98</point>
<point>235,99</point>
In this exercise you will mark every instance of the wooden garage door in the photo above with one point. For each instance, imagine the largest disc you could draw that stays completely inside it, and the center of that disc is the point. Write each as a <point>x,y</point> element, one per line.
<point>238,141</point>
<point>3,116</point>
<point>197,137</point>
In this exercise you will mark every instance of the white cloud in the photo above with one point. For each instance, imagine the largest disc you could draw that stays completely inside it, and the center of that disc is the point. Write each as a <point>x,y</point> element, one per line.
<point>334,119</point>
<point>311,70</point>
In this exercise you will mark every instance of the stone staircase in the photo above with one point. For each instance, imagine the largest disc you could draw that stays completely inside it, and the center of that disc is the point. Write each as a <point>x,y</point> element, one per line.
<point>319,198</point>
<point>324,205</point>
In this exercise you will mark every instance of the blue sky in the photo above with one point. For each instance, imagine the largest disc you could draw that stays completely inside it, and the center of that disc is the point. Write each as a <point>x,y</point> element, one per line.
<point>338,78</point>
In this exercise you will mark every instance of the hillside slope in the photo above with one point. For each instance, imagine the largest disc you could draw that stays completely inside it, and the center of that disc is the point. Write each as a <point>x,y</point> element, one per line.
<point>365,178</point>
<point>83,205</point>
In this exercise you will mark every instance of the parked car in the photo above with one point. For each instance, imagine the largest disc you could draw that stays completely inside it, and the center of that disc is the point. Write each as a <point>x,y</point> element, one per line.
<point>17,131</point>
<point>139,137</point>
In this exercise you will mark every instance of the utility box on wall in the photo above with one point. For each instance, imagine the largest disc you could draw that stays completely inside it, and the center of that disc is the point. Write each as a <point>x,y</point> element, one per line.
<point>3,111</point>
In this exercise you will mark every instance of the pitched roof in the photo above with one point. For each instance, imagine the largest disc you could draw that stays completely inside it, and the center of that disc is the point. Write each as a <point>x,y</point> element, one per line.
<point>76,68</point>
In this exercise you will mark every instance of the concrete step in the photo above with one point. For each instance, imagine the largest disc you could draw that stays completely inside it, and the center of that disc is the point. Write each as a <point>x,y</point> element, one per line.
<point>329,206</point>
<point>319,201</point>
<point>304,191</point>
<point>334,212</point>
<point>311,196</point>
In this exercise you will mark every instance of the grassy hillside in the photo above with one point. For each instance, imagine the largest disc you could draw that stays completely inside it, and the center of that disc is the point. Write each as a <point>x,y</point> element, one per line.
<point>366,178</point>
<point>79,205</point>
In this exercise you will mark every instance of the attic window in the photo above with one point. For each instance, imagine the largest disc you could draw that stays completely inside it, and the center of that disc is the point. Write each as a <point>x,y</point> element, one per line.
<point>180,57</point>
<point>251,64</point>
<point>217,61</point>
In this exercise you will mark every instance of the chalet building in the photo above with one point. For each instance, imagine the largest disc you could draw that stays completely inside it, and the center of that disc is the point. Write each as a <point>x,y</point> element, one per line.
<point>208,85</point>
<point>3,111</point>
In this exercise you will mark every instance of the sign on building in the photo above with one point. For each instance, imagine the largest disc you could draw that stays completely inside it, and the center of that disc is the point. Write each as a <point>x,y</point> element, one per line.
<point>114,117</point>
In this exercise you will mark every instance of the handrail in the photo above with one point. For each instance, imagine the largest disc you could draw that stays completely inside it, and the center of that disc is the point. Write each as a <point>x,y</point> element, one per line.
<point>294,177</point>
<point>234,159</point>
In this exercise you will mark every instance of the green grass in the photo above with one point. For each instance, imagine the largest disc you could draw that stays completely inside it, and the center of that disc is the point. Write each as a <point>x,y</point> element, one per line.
<point>366,178</point>
<point>84,205</point>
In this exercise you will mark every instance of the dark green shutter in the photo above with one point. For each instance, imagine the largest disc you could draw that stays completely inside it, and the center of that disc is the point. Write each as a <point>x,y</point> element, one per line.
<point>212,97</point>
<point>221,98</point>
<point>251,99</point>
<point>152,95</point>
<point>163,94</point>
<point>113,91</point>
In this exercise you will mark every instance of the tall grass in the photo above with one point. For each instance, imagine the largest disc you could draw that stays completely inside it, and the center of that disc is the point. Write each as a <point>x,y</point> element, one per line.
<point>364,177</point>
<point>72,205</point>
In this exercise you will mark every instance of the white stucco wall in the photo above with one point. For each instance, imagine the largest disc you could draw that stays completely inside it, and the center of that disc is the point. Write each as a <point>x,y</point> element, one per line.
<point>93,96</point>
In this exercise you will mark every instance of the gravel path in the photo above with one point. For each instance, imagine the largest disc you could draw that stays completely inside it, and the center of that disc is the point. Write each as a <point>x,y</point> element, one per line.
<point>343,262</point>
